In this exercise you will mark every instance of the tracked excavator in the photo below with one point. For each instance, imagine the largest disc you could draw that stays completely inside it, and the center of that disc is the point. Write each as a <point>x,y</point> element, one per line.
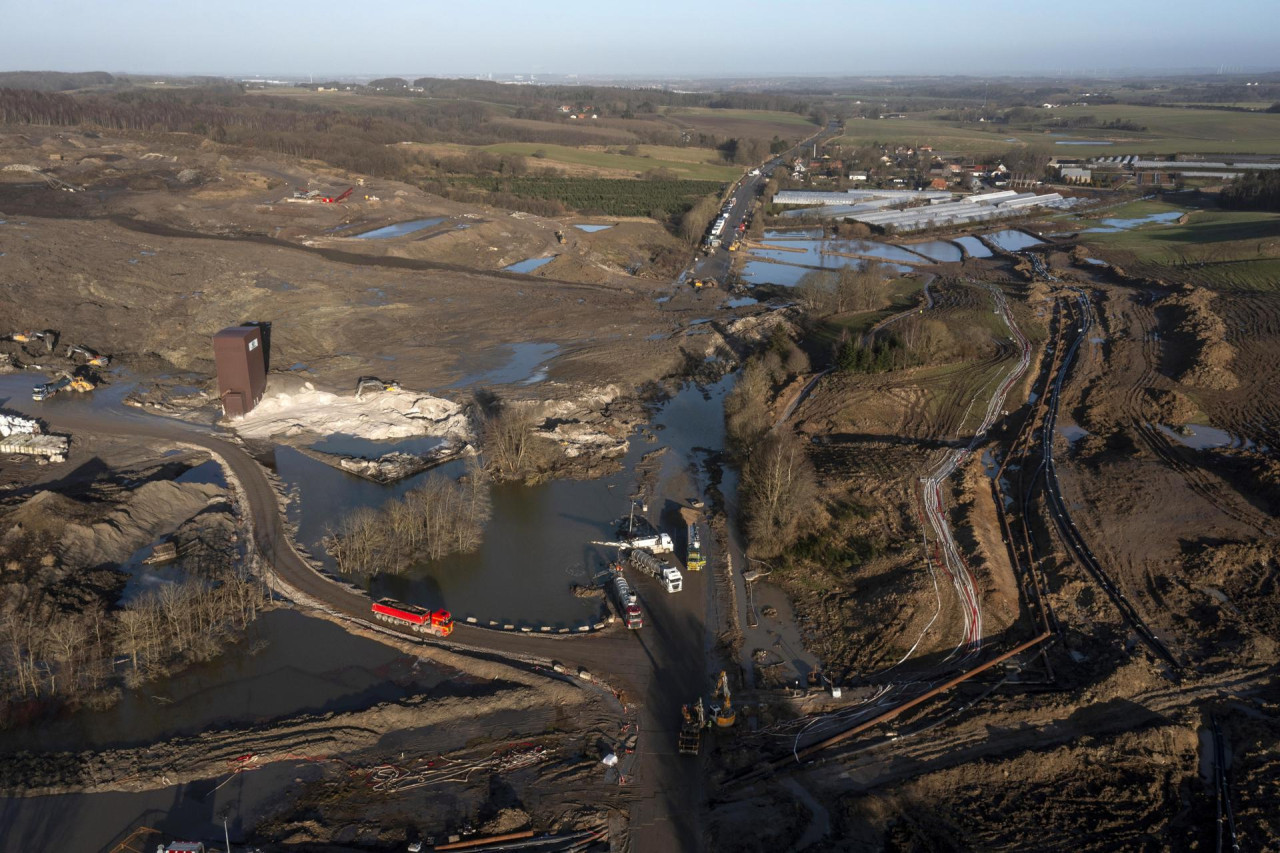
<point>89,355</point>
<point>49,336</point>
<point>373,383</point>
<point>694,721</point>
<point>725,715</point>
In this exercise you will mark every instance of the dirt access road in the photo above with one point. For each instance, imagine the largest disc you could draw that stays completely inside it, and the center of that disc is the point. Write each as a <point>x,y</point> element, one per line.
<point>656,669</point>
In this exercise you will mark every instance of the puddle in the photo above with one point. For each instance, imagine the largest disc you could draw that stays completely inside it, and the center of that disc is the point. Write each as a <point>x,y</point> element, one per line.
<point>591,229</point>
<point>1083,142</point>
<point>529,264</point>
<point>521,366</point>
<point>817,253</point>
<point>656,336</point>
<point>1096,262</point>
<point>661,299</point>
<point>794,234</point>
<point>399,229</point>
<point>354,445</point>
<point>789,275</point>
<point>1072,432</point>
<point>1201,437</point>
<point>741,302</point>
<point>938,250</point>
<point>973,247</point>
<point>276,285</point>
<point>1111,225</point>
<point>1011,240</point>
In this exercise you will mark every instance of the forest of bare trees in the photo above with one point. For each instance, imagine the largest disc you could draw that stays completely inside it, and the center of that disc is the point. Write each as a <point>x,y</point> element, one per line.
<point>778,488</point>
<point>53,652</point>
<point>438,518</point>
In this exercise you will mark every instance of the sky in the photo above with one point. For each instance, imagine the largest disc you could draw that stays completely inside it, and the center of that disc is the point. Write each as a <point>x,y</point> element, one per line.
<point>653,38</point>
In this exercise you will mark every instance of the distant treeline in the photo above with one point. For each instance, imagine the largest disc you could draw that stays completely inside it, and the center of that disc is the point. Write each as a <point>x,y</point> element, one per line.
<point>1253,191</point>
<point>55,81</point>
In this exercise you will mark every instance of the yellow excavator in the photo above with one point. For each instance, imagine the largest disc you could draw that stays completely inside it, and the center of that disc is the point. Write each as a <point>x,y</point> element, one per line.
<point>89,355</point>
<point>49,336</point>
<point>725,715</point>
<point>373,383</point>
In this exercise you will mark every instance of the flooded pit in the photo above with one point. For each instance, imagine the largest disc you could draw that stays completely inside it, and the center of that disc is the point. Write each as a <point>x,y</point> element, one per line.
<point>529,264</point>
<point>973,247</point>
<point>400,229</point>
<point>538,542</point>
<point>1011,240</point>
<point>523,363</point>
<point>592,229</point>
<point>938,250</point>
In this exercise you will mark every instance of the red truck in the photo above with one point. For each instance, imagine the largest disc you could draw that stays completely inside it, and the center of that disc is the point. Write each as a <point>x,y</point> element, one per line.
<point>438,623</point>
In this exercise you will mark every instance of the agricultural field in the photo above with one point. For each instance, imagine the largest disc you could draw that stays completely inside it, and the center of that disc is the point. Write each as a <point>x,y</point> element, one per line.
<point>699,164</point>
<point>1168,131</point>
<point>1171,131</point>
<point>614,197</point>
<point>945,137</point>
<point>1223,250</point>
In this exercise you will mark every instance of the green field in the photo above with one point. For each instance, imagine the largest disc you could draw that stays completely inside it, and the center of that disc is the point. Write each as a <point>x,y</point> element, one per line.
<point>687,163</point>
<point>1225,250</point>
<point>613,197</point>
<point>945,137</point>
<point>1168,131</point>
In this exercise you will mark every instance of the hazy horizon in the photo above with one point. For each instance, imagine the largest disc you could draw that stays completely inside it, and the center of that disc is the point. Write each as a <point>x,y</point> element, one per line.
<point>665,39</point>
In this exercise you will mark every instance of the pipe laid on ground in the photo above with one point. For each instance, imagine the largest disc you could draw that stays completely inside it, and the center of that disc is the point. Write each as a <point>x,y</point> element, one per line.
<point>893,712</point>
<point>479,842</point>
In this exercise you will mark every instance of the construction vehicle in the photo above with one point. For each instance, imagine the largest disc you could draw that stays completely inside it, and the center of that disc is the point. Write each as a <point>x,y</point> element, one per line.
<point>694,721</point>
<point>49,336</point>
<point>560,237</point>
<point>658,543</point>
<point>694,561</point>
<point>735,245</point>
<point>65,382</point>
<point>438,623</point>
<point>725,715</point>
<point>338,199</point>
<point>668,576</point>
<point>90,356</point>
<point>366,383</point>
<point>628,603</point>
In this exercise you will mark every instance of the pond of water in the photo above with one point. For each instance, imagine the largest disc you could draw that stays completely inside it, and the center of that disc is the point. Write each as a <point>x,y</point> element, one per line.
<point>287,664</point>
<point>1072,432</point>
<point>537,543</point>
<point>1011,240</point>
<point>789,275</point>
<point>938,250</point>
<point>794,234</point>
<point>1109,225</point>
<point>591,229</point>
<point>399,229</point>
<point>528,265</point>
<point>1201,437</point>
<point>523,363</point>
<point>741,302</point>
<point>973,247</point>
<point>354,445</point>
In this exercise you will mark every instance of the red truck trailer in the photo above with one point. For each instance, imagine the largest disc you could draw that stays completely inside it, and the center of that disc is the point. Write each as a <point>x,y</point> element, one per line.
<point>438,623</point>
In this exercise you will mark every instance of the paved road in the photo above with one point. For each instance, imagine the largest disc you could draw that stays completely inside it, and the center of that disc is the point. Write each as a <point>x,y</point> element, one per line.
<point>658,668</point>
<point>716,265</point>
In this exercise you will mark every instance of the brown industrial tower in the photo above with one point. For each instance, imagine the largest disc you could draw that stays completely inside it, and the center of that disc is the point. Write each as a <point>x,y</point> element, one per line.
<point>242,372</point>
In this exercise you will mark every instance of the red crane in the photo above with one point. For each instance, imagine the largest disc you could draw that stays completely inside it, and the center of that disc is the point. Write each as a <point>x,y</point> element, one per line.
<point>337,199</point>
